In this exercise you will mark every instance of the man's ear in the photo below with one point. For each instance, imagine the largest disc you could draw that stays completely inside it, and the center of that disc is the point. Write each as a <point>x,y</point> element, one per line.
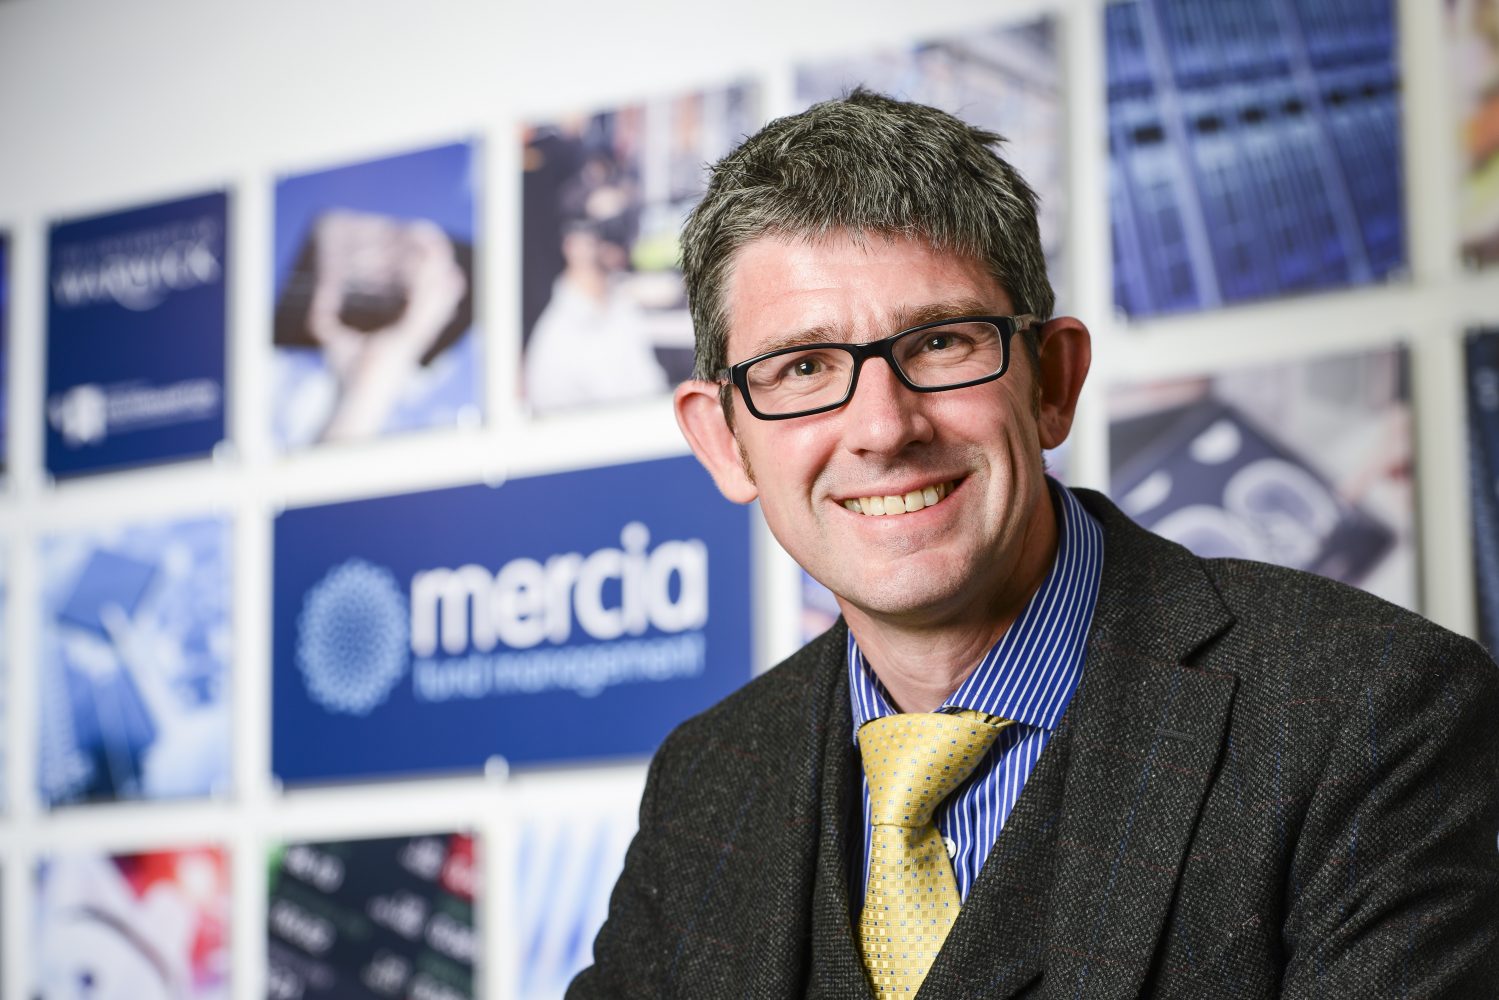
<point>1066,353</point>
<point>707,431</point>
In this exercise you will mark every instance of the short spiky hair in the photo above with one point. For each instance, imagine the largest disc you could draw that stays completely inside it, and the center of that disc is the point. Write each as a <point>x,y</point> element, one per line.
<point>865,164</point>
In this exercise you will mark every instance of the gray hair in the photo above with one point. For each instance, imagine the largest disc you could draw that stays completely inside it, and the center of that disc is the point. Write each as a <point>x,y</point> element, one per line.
<point>865,164</point>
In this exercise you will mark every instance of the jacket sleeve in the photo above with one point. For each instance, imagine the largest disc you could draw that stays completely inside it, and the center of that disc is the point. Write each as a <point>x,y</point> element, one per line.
<point>1394,885</point>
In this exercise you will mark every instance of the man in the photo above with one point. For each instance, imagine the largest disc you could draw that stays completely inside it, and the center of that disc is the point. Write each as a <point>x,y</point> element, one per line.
<point>1156,775</point>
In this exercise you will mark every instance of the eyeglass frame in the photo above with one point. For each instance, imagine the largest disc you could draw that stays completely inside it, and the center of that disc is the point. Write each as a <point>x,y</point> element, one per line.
<point>884,348</point>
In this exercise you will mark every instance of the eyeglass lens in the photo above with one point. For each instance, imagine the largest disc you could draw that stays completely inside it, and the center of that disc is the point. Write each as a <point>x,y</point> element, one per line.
<point>934,358</point>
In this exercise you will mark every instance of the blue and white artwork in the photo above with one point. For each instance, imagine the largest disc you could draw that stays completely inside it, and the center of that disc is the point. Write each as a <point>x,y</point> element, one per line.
<point>374,299</point>
<point>566,865</point>
<point>563,617</point>
<point>1483,477</point>
<point>1306,464</point>
<point>136,336</point>
<point>135,647</point>
<point>4,350</point>
<point>4,676</point>
<point>1255,149</point>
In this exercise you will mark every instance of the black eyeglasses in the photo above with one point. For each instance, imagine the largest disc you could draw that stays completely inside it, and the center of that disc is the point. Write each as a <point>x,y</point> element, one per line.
<point>933,357</point>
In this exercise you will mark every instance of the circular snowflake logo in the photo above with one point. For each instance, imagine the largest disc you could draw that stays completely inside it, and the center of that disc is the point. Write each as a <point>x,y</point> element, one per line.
<point>352,637</point>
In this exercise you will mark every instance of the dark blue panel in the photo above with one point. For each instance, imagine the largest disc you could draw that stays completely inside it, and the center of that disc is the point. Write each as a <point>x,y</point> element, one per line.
<point>4,349</point>
<point>1483,477</point>
<point>1255,149</point>
<point>565,617</point>
<point>135,336</point>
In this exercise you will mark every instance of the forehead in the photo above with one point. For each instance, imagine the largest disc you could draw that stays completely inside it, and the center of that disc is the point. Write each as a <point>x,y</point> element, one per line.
<point>844,288</point>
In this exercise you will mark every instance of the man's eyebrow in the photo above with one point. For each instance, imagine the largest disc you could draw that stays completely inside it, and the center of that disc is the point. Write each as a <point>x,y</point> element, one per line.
<point>901,319</point>
<point>810,335</point>
<point>904,319</point>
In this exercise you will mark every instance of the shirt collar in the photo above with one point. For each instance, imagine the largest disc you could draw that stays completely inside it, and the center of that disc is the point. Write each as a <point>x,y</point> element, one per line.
<point>1030,673</point>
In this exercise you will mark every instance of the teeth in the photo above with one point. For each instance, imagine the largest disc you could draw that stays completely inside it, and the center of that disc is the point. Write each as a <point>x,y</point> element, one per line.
<point>913,501</point>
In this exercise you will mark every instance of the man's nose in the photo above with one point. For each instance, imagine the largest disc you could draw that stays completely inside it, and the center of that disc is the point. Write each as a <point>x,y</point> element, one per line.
<point>884,416</point>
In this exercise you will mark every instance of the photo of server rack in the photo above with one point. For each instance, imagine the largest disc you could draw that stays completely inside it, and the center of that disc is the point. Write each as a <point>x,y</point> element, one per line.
<point>1255,150</point>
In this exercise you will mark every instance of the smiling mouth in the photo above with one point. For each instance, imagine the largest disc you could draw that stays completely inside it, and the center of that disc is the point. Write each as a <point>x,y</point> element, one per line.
<point>903,503</point>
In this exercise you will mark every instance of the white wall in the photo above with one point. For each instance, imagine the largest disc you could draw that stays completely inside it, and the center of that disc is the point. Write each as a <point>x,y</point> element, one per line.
<point>106,105</point>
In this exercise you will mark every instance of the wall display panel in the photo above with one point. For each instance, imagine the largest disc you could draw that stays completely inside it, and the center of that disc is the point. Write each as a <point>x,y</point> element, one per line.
<point>566,865</point>
<point>150,926</point>
<point>374,299</point>
<point>1483,476</point>
<point>1473,36</point>
<point>560,617</point>
<point>134,660</point>
<point>136,336</point>
<point>1003,78</point>
<point>1255,149</point>
<point>5,729</point>
<point>603,309</point>
<point>1306,464</point>
<point>4,351</point>
<point>386,917</point>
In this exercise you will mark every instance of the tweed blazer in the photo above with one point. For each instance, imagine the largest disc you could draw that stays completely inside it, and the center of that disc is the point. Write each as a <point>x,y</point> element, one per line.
<point>1266,785</point>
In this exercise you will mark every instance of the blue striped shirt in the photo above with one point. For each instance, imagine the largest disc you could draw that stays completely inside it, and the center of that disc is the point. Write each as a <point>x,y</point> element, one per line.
<point>1029,675</point>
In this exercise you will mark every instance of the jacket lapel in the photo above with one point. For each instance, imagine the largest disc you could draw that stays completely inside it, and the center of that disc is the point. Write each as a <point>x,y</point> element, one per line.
<point>1147,735</point>
<point>837,970</point>
<point>998,943</point>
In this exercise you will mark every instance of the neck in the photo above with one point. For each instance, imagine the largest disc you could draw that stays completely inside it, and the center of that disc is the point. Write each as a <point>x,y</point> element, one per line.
<point>922,662</point>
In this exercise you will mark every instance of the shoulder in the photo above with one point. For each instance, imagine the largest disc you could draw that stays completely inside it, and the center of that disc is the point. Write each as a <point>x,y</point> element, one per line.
<point>774,716</point>
<point>1327,621</point>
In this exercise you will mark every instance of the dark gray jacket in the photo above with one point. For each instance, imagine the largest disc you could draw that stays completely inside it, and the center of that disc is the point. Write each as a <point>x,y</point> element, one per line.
<point>1267,785</point>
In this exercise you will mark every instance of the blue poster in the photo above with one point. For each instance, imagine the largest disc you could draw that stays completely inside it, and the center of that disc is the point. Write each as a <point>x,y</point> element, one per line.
<point>135,336</point>
<point>134,663</point>
<point>1483,477</point>
<point>566,864</point>
<point>567,617</point>
<point>374,309</point>
<point>4,681</point>
<point>4,349</point>
<point>1255,150</point>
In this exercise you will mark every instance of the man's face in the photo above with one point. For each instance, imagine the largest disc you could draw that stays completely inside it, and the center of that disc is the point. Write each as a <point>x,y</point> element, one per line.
<point>980,447</point>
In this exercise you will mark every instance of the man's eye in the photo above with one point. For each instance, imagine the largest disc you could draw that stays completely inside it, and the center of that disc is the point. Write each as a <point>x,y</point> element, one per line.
<point>939,341</point>
<point>807,366</point>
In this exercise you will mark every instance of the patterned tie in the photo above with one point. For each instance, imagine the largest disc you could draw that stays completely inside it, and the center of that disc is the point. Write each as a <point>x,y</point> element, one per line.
<point>912,762</point>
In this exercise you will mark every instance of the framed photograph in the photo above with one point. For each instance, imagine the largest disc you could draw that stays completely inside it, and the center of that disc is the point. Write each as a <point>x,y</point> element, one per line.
<point>135,646</point>
<point>1253,152</point>
<point>1004,78</point>
<point>5,725</point>
<point>1473,41</point>
<point>4,351</point>
<point>604,195</point>
<point>374,299</point>
<point>136,336</point>
<point>428,632</point>
<point>384,917</point>
<point>566,864</point>
<point>150,926</point>
<point>1306,464</point>
<point>1482,350</point>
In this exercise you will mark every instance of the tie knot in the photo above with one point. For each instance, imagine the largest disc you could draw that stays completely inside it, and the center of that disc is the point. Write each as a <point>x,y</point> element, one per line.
<point>912,761</point>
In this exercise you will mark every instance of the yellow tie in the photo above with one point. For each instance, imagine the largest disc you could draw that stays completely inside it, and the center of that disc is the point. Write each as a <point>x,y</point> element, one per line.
<point>912,762</point>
